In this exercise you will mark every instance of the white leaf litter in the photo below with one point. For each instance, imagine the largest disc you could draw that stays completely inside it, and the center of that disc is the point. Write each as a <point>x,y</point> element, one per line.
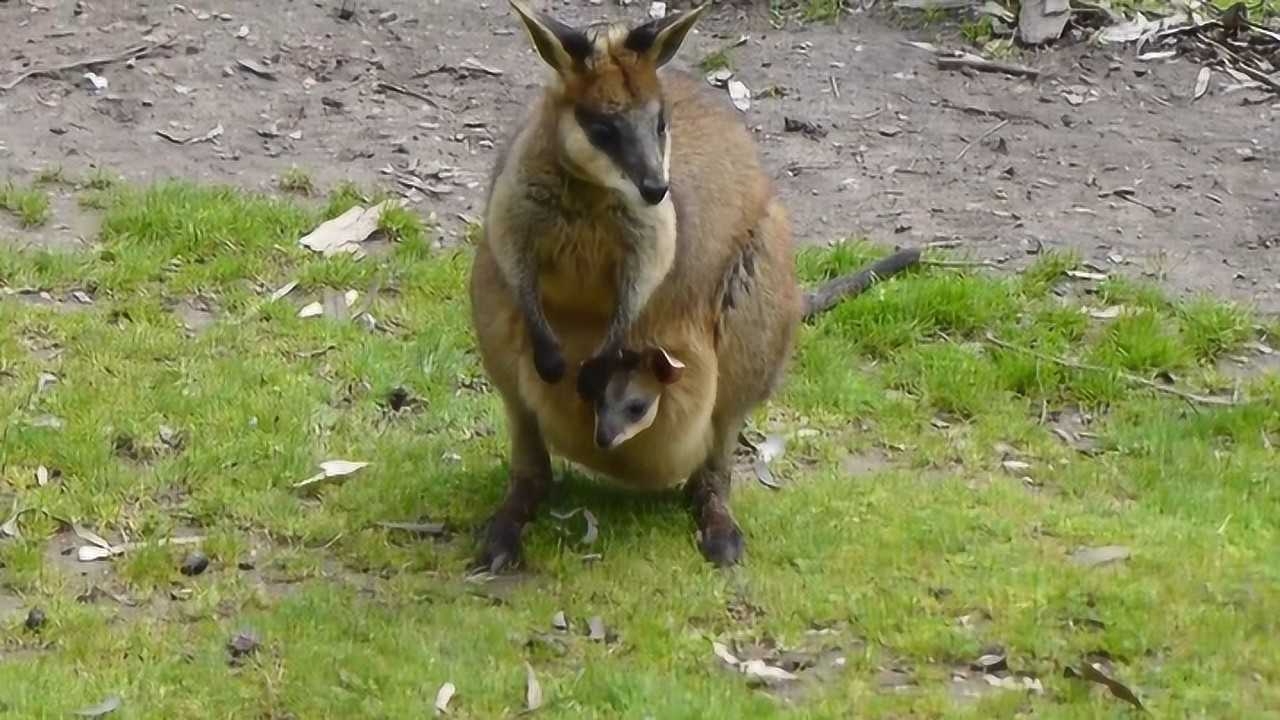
<point>768,673</point>
<point>533,691</point>
<point>284,290</point>
<point>593,530</point>
<point>723,653</point>
<point>332,469</point>
<point>106,707</point>
<point>344,233</point>
<point>740,95</point>
<point>42,476</point>
<point>772,448</point>
<point>1202,82</point>
<point>99,549</point>
<point>443,696</point>
<point>1016,466</point>
<point>98,82</point>
<point>657,10</point>
<point>754,669</point>
<point>311,310</point>
<point>560,622</point>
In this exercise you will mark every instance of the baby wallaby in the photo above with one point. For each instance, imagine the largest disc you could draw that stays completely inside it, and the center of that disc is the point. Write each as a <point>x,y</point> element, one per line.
<point>593,168</point>
<point>628,403</point>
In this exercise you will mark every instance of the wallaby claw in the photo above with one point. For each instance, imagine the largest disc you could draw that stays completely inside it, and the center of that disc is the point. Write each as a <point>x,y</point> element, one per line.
<point>501,548</point>
<point>721,544</point>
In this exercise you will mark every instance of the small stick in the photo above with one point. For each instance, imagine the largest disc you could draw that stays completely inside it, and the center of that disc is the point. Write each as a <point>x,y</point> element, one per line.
<point>980,138</point>
<point>983,65</point>
<point>1130,377</point>
<point>399,89</point>
<point>136,51</point>
<point>960,263</point>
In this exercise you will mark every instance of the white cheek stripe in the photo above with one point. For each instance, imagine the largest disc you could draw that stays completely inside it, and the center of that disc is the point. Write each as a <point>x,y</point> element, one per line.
<point>666,158</point>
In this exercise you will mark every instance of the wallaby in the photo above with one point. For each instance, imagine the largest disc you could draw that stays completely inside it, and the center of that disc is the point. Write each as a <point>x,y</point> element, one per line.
<point>726,305</point>
<point>611,132</point>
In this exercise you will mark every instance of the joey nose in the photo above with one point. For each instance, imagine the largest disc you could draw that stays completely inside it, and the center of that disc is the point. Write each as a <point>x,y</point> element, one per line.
<point>653,191</point>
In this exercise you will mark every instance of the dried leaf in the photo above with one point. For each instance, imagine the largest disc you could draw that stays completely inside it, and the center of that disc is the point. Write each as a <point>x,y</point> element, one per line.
<point>344,233</point>
<point>559,622</point>
<point>1107,313</point>
<point>1086,275</point>
<point>257,68</point>
<point>759,670</point>
<point>284,290</point>
<point>657,10</point>
<point>533,691</point>
<point>772,448</point>
<point>1016,467</point>
<point>765,475</point>
<point>1091,672</point>
<point>739,95</point>
<point>1096,557</point>
<point>311,310</point>
<point>92,553</point>
<point>332,469</point>
<point>10,527</point>
<point>443,696</point>
<point>106,707</point>
<point>1202,82</point>
<point>723,653</point>
<point>90,536</point>
<point>420,529</point>
<point>243,643</point>
<point>596,629</point>
<point>593,530</point>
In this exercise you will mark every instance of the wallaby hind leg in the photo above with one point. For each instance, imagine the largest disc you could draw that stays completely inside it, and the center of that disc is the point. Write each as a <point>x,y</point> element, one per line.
<point>528,486</point>
<point>720,539</point>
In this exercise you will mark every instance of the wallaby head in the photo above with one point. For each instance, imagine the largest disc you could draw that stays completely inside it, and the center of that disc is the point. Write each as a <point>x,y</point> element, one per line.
<point>611,116</point>
<point>629,403</point>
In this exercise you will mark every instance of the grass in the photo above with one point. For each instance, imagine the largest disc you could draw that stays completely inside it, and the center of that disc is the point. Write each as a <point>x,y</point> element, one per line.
<point>30,205</point>
<point>296,180</point>
<point>899,533</point>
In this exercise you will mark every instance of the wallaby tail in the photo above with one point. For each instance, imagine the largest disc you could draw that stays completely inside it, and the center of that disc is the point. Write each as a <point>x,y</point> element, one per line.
<point>830,293</point>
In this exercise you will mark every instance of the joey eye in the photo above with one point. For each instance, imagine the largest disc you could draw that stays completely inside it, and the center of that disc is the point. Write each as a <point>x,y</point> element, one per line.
<point>636,409</point>
<point>662,123</point>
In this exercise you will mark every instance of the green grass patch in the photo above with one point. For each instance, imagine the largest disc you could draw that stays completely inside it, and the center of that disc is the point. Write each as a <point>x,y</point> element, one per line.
<point>30,205</point>
<point>903,537</point>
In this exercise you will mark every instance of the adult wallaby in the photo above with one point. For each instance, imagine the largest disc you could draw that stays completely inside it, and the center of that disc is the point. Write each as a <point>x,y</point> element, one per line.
<point>727,305</point>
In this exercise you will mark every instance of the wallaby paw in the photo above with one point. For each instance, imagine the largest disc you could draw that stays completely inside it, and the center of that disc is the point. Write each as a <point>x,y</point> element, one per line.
<point>593,375</point>
<point>721,543</point>
<point>549,362</point>
<point>501,547</point>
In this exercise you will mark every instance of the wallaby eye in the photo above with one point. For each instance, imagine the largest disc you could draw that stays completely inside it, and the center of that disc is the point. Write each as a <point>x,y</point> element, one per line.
<point>662,123</point>
<point>602,133</point>
<point>636,409</point>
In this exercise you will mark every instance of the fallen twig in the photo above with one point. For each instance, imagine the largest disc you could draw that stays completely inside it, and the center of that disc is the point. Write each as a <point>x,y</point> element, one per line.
<point>401,90</point>
<point>832,292</point>
<point>974,62</point>
<point>1000,125</point>
<point>1128,377</point>
<point>132,53</point>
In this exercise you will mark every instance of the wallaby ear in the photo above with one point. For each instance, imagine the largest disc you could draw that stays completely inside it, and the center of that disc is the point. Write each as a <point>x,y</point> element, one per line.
<point>660,39</point>
<point>561,46</point>
<point>665,367</point>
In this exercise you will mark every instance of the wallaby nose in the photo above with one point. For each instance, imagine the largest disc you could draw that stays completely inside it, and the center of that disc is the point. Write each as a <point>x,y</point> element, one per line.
<point>653,191</point>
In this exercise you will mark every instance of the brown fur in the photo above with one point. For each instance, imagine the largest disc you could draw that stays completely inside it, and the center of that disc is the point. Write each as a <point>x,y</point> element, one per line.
<point>735,353</point>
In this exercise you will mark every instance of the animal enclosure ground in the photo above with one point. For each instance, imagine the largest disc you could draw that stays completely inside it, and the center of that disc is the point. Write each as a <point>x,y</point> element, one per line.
<point>959,521</point>
<point>1022,464</point>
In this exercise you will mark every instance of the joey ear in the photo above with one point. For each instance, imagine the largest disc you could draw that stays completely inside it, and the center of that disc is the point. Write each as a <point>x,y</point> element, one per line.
<point>665,367</point>
<point>660,39</point>
<point>561,46</point>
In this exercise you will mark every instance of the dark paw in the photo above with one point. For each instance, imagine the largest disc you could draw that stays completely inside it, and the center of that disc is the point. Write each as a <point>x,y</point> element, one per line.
<point>548,361</point>
<point>593,376</point>
<point>721,543</point>
<point>501,547</point>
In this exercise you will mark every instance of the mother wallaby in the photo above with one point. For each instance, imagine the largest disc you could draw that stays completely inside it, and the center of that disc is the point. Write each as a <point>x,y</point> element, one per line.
<point>574,180</point>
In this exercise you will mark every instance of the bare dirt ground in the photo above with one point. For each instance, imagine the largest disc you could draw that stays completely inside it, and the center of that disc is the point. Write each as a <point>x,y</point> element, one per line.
<point>892,159</point>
